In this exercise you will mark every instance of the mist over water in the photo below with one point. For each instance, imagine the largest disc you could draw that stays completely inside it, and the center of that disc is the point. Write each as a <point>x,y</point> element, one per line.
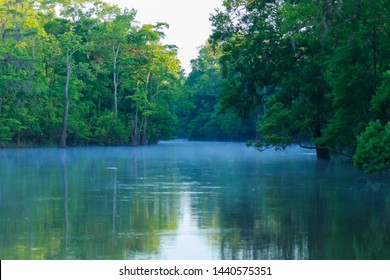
<point>188,200</point>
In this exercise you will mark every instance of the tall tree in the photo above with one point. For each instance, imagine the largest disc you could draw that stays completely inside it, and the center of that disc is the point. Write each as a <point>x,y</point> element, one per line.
<point>70,44</point>
<point>157,75</point>
<point>355,68</point>
<point>272,59</point>
<point>21,79</point>
<point>116,28</point>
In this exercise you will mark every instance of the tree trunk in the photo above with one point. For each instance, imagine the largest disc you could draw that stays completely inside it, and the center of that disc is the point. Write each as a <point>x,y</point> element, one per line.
<point>358,9</point>
<point>144,127</point>
<point>375,59</point>
<point>115,95</point>
<point>116,76</point>
<point>322,152</point>
<point>133,141</point>
<point>143,140</point>
<point>134,133</point>
<point>62,142</point>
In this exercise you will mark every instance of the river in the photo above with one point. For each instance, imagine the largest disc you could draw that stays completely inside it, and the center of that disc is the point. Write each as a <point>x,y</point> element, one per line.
<point>188,200</point>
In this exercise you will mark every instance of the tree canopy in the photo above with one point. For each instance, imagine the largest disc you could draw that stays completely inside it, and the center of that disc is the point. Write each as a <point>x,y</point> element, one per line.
<point>313,73</point>
<point>83,73</point>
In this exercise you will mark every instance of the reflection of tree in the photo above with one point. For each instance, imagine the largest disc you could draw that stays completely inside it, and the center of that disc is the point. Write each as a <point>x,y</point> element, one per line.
<point>289,217</point>
<point>317,216</point>
<point>70,206</point>
<point>357,223</point>
<point>31,207</point>
<point>66,197</point>
<point>122,210</point>
<point>258,222</point>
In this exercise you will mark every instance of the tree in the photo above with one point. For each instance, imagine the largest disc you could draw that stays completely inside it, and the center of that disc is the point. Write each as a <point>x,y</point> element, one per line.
<point>62,75</point>
<point>307,71</point>
<point>21,81</point>
<point>273,68</point>
<point>373,148</point>
<point>70,43</point>
<point>155,80</point>
<point>372,151</point>
<point>205,118</point>
<point>116,27</point>
<point>355,68</point>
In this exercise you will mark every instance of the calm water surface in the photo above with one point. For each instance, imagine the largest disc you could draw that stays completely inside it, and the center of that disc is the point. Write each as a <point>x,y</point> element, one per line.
<point>188,200</point>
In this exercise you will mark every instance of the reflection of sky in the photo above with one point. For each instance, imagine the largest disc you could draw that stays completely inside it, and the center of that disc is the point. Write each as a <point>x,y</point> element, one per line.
<point>189,242</point>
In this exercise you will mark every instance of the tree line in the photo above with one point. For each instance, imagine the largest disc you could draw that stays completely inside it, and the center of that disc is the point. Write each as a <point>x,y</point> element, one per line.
<point>84,72</point>
<point>314,73</point>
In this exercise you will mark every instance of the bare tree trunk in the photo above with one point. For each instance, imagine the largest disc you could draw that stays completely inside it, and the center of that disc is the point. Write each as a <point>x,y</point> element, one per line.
<point>116,76</point>
<point>62,142</point>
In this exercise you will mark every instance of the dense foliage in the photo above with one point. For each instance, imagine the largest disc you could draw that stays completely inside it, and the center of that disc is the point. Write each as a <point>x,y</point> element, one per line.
<point>206,117</point>
<point>83,72</point>
<point>312,73</point>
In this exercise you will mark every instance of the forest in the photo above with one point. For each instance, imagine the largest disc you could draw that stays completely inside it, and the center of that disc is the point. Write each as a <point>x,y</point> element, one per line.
<point>313,73</point>
<point>84,73</point>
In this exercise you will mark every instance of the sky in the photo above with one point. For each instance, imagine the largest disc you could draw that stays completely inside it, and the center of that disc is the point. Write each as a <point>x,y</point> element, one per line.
<point>188,20</point>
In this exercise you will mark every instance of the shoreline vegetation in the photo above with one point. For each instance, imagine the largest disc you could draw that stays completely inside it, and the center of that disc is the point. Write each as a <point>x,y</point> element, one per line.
<point>282,73</point>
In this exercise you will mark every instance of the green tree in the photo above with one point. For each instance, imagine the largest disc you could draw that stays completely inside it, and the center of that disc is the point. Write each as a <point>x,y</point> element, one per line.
<point>116,28</point>
<point>205,118</point>
<point>21,81</point>
<point>272,59</point>
<point>373,148</point>
<point>372,151</point>
<point>154,85</point>
<point>309,72</point>
<point>62,75</point>
<point>355,68</point>
<point>70,44</point>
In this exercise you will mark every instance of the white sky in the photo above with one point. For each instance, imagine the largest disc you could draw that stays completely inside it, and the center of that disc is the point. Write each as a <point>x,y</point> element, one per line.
<point>188,20</point>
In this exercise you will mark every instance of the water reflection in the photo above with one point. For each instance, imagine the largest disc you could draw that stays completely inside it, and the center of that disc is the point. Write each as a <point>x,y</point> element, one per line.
<point>188,201</point>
